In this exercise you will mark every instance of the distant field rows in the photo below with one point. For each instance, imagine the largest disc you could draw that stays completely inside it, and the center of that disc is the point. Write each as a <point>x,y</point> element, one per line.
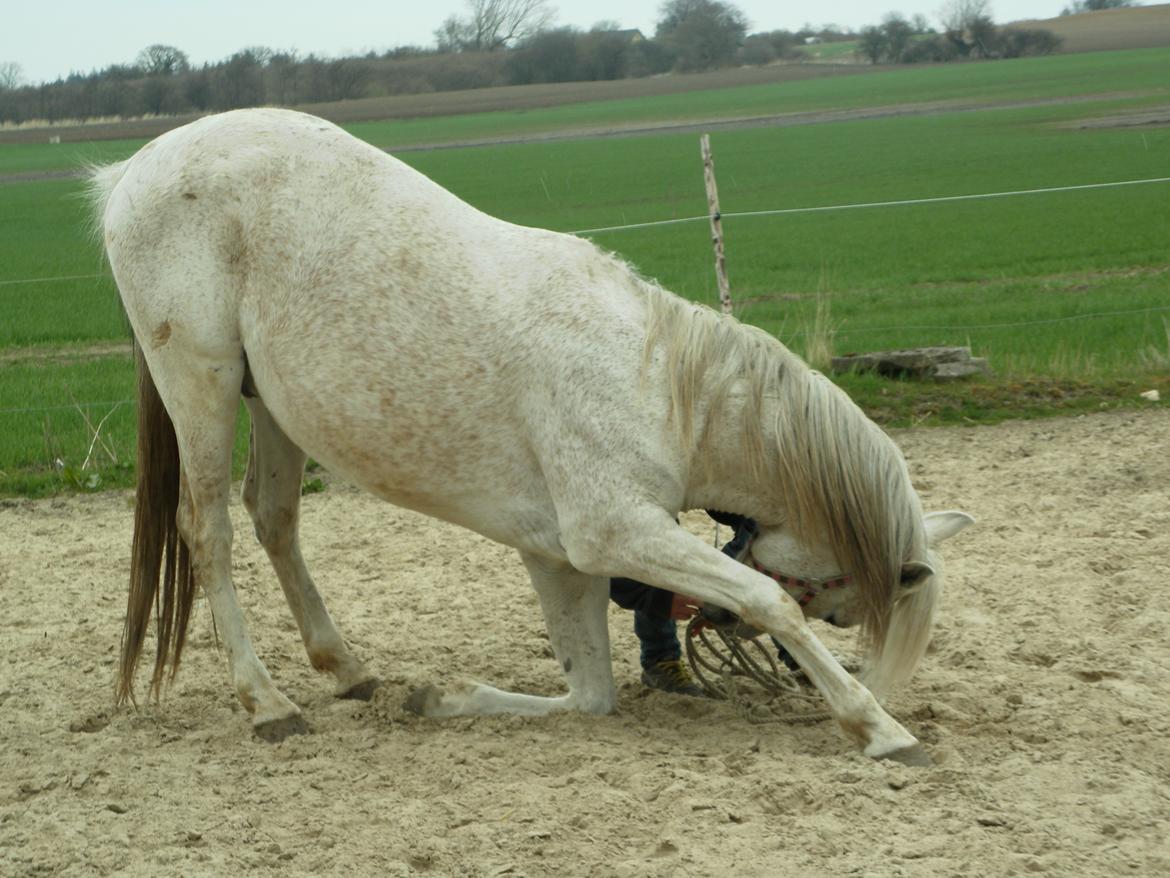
<point>1138,76</point>
<point>1070,284</point>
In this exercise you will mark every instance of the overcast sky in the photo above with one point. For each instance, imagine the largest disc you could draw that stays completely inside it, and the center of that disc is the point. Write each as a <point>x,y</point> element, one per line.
<point>50,38</point>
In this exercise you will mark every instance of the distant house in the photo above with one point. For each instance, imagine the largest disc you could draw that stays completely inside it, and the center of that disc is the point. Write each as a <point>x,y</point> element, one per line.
<point>630,35</point>
<point>811,41</point>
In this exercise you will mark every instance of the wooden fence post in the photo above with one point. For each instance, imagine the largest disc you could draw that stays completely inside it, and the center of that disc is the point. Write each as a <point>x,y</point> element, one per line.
<point>716,224</point>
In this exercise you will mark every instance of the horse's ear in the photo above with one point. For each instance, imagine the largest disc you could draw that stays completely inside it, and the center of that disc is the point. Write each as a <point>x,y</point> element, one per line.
<point>915,573</point>
<point>941,525</point>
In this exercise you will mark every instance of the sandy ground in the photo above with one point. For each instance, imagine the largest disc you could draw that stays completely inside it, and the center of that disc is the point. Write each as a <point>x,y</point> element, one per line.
<point>1043,702</point>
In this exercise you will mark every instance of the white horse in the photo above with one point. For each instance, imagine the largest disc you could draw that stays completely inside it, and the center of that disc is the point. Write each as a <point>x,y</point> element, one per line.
<point>515,381</point>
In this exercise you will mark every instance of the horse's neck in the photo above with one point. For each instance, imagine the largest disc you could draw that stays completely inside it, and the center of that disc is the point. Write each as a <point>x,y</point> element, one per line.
<point>720,474</point>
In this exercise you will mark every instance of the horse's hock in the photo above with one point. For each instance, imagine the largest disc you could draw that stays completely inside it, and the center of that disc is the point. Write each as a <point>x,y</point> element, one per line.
<point>937,363</point>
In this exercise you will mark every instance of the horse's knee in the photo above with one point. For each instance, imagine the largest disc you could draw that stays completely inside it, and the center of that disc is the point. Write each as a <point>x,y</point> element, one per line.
<point>773,611</point>
<point>593,550</point>
<point>583,554</point>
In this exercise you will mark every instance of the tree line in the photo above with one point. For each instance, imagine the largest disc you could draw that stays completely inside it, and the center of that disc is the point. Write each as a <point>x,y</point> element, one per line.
<point>968,33</point>
<point>495,42</point>
<point>1079,6</point>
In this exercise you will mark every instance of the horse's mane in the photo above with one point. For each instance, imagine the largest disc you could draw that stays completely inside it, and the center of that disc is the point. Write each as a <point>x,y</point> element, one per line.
<point>842,480</point>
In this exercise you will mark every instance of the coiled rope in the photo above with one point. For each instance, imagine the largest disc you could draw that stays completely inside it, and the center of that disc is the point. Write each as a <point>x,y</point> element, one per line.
<point>723,658</point>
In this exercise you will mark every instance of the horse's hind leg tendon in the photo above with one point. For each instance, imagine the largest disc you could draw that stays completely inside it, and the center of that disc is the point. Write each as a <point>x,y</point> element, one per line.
<point>574,606</point>
<point>201,392</point>
<point>272,496</point>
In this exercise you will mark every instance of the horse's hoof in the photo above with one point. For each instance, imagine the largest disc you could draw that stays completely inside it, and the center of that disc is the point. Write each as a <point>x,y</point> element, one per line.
<point>424,701</point>
<point>915,756</point>
<point>363,691</point>
<point>275,731</point>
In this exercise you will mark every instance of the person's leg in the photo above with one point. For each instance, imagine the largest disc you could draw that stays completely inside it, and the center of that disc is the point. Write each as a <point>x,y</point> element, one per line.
<point>658,638</point>
<point>661,656</point>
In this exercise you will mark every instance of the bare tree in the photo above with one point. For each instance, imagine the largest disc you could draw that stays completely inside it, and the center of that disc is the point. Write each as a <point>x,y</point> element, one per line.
<point>702,34</point>
<point>898,32</point>
<point>493,24</point>
<point>11,75</point>
<point>261,54</point>
<point>239,82</point>
<point>969,27</point>
<point>958,15</point>
<point>871,44</point>
<point>160,60</point>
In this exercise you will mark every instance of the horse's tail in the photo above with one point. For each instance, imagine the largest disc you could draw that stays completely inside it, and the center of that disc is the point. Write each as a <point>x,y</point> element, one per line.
<point>906,638</point>
<point>100,183</point>
<point>158,551</point>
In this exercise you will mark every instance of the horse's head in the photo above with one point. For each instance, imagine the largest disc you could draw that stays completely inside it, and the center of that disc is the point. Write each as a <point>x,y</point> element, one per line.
<point>815,579</point>
<point>808,573</point>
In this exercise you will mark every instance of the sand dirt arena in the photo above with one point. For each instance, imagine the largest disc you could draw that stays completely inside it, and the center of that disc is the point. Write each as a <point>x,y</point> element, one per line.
<point>1043,700</point>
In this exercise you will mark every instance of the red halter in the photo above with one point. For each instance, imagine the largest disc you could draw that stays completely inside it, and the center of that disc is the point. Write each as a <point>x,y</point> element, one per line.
<point>810,588</point>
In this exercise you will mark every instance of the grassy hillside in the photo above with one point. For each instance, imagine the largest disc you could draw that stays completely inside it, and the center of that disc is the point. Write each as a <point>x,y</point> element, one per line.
<point>1139,27</point>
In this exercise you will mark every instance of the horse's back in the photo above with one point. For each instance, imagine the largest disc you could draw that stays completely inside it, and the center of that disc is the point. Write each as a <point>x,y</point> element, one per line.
<point>282,185</point>
<point>417,345</point>
<point>301,223</point>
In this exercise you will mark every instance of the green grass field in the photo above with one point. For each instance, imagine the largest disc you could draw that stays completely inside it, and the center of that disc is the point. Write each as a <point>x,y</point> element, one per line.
<point>1066,292</point>
<point>842,50</point>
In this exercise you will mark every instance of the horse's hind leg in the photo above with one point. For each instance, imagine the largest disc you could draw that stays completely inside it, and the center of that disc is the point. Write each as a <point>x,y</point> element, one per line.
<point>272,495</point>
<point>574,606</point>
<point>201,392</point>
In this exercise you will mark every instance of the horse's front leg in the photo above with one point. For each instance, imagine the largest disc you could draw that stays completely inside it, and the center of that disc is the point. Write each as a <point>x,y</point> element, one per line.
<point>877,733</point>
<point>665,555</point>
<point>574,606</point>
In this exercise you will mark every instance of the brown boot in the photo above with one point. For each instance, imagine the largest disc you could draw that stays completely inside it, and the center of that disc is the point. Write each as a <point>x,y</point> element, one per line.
<point>672,676</point>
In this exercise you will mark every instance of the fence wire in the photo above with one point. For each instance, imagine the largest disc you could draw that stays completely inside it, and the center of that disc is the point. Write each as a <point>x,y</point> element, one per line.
<point>46,280</point>
<point>67,408</point>
<point>900,203</point>
<point>748,214</point>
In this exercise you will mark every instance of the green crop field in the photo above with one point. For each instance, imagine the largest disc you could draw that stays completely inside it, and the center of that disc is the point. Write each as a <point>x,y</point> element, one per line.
<point>1066,292</point>
<point>842,50</point>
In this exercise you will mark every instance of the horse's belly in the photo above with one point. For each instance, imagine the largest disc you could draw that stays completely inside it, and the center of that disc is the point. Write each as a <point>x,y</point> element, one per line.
<point>447,448</point>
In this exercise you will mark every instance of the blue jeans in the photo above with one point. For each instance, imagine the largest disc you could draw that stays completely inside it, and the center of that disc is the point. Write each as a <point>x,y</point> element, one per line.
<point>658,638</point>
